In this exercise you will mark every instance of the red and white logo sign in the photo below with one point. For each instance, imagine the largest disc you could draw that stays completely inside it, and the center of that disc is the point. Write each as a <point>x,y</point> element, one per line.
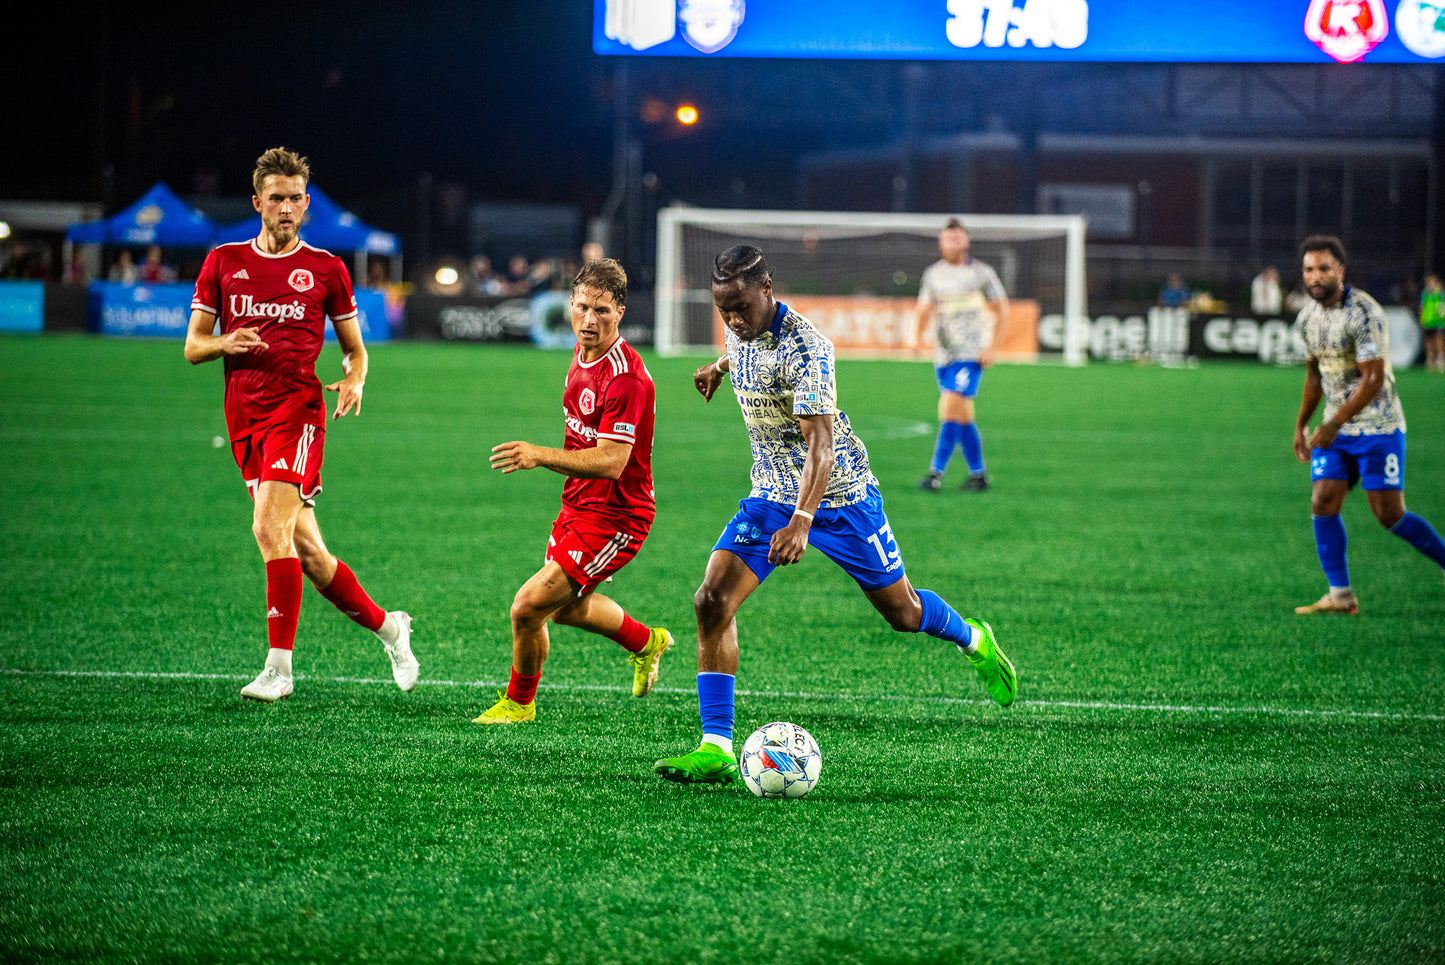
<point>1346,29</point>
<point>587,401</point>
<point>302,280</point>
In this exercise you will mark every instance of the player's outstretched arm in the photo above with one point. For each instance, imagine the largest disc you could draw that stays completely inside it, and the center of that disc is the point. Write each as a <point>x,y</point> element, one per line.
<point>354,365</point>
<point>606,460</point>
<point>203,346</point>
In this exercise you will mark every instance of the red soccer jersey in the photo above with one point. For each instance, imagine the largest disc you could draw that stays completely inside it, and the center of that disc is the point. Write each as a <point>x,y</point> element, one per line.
<point>612,398</point>
<point>286,298</point>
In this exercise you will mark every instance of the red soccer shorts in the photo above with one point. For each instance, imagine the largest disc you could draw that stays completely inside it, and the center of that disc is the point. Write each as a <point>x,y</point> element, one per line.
<point>590,549</point>
<point>285,452</point>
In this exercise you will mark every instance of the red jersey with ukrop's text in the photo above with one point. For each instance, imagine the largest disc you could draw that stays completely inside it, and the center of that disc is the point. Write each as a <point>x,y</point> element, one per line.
<point>286,299</point>
<point>612,398</point>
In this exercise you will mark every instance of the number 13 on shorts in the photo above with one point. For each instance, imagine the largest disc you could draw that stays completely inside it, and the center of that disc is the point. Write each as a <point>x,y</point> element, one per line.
<point>884,543</point>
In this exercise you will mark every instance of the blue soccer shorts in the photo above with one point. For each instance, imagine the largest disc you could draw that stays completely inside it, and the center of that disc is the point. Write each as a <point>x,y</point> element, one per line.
<point>858,538</point>
<point>1376,462</point>
<point>960,377</point>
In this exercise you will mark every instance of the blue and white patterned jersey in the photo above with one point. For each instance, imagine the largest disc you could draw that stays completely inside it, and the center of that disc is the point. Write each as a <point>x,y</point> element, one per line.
<point>784,373</point>
<point>962,324</point>
<point>1340,338</point>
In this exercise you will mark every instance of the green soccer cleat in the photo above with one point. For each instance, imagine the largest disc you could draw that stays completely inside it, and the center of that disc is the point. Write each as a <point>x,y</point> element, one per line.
<point>709,764</point>
<point>646,662</point>
<point>993,667</point>
<point>508,711</point>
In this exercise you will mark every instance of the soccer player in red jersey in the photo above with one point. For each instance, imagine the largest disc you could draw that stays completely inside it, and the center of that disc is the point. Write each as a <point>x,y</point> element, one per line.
<point>271,296</point>
<point>607,502</point>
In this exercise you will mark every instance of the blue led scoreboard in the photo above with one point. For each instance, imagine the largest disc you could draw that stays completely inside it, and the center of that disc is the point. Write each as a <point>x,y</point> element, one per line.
<point>1166,31</point>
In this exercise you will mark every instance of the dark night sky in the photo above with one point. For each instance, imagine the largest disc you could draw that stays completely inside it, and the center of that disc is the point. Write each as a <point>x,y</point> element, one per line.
<point>507,99</point>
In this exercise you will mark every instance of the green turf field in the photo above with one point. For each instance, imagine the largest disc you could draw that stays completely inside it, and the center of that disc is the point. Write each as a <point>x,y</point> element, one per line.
<point>1191,774</point>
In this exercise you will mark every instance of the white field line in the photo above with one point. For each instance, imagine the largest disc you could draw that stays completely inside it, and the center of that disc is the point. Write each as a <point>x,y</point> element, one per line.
<point>794,694</point>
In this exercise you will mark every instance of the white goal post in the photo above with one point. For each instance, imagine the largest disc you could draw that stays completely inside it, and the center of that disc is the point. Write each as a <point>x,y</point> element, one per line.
<point>857,273</point>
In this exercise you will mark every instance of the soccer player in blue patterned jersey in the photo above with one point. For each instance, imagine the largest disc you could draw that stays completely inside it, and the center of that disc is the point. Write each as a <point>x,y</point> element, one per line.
<point>965,301</point>
<point>1362,437</point>
<point>811,486</point>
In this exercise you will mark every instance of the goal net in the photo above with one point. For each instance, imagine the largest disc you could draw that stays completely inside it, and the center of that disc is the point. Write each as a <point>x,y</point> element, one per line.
<point>855,275</point>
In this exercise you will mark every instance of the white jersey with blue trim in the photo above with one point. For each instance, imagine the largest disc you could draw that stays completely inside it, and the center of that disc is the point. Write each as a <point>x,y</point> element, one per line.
<point>1339,339</point>
<point>784,373</point>
<point>963,326</point>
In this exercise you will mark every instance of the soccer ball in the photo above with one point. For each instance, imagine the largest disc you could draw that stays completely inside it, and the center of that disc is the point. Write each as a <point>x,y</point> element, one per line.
<point>781,760</point>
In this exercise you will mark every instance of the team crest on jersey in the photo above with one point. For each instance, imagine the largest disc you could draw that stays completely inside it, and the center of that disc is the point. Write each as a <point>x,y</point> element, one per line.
<point>587,401</point>
<point>302,280</point>
<point>1346,29</point>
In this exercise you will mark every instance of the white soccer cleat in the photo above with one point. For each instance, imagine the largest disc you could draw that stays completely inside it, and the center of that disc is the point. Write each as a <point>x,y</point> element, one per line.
<point>404,665</point>
<point>272,685</point>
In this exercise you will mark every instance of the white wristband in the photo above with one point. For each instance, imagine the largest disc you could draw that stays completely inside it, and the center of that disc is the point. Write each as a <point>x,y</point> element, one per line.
<point>803,513</point>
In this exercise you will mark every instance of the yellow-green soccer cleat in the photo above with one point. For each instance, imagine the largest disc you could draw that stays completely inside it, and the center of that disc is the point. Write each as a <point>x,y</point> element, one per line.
<point>709,764</point>
<point>646,662</point>
<point>508,711</point>
<point>993,667</point>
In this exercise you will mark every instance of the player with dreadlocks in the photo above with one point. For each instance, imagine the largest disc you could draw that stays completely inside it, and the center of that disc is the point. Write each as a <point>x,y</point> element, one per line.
<point>811,486</point>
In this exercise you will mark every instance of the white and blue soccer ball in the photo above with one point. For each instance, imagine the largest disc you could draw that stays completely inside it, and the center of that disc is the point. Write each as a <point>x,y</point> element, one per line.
<point>781,760</point>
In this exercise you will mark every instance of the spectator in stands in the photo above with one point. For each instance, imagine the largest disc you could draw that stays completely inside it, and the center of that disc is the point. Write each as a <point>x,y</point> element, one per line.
<point>378,273</point>
<point>12,261</point>
<point>1432,322</point>
<point>592,251</point>
<point>518,280</point>
<point>154,270</point>
<point>484,277</point>
<point>563,271</point>
<point>124,270</point>
<point>1175,294</point>
<point>1266,298</point>
<point>545,272</point>
<point>75,271</point>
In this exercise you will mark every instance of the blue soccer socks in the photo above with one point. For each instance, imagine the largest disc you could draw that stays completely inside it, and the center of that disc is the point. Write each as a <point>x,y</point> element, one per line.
<point>1330,542</point>
<point>1421,535</point>
<point>942,621</point>
<point>715,704</point>
<point>972,448</point>
<point>949,434</point>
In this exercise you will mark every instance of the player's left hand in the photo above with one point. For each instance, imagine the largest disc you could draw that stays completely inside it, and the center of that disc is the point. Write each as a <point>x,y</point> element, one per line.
<point>349,397</point>
<point>789,543</point>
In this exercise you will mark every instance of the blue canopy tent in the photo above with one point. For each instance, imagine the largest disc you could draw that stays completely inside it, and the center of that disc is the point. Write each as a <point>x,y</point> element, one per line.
<point>158,218</point>
<point>329,226</point>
